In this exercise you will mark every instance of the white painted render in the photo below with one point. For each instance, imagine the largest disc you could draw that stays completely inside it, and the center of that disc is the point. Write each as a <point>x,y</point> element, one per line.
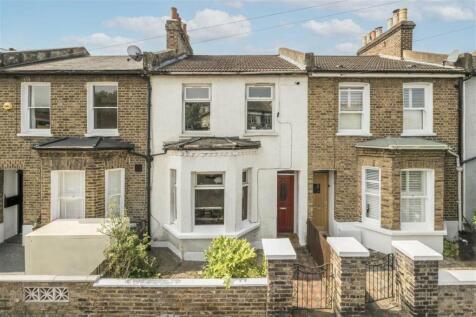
<point>285,148</point>
<point>469,149</point>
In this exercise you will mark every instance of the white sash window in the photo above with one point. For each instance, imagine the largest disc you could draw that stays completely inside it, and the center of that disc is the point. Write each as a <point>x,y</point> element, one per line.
<point>115,192</point>
<point>354,109</point>
<point>371,195</point>
<point>67,194</point>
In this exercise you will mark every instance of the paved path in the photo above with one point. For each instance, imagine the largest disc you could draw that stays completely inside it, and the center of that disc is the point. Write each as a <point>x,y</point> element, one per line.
<point>12,256</point>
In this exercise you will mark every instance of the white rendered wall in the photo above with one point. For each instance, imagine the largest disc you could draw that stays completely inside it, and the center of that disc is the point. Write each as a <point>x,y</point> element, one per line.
<point>286,149</point>
<point>469,148</point>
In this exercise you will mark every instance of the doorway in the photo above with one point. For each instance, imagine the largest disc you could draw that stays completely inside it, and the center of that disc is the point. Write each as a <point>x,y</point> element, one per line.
<point>285,202</point>
<point>12,203</point>
<point>320,201</point>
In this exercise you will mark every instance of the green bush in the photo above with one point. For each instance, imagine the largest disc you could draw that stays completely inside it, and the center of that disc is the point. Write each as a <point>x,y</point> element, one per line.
<point>127,255</point>
<point>231,258</point>
<point>450,249</point>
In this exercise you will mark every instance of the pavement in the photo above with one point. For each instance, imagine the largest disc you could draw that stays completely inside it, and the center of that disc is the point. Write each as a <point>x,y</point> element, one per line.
<point>12,256</point>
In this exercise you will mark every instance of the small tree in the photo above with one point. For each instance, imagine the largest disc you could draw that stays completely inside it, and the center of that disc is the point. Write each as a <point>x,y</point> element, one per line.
<point>126,255</point>
<point>231,258</point>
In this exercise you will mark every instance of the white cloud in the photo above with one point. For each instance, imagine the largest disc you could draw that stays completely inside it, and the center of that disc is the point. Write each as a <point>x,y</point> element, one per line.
<point>233,3</point>
<point>346,48</point>
<point>334,27</point>
<point>103,43</point>
<point>147,25</point>
<point>452,13</point>
<point>202,25</point>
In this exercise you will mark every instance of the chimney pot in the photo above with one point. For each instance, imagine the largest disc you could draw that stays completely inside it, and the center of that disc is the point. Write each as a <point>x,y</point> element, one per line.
<point>368,38</point>
<point>173,13</point>
<point>403,14</point>
<point>389,23</point>
<point>364,40</point>
<point>372,35</point>
<point>378,31</point>
<point>395,17</point>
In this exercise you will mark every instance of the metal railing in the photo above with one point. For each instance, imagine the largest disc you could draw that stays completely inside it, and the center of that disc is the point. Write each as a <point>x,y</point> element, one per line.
<point>313,287</point>
<point>380,278</point>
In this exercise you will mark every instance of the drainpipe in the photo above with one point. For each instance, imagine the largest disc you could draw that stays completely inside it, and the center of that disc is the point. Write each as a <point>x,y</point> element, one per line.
<point>459,169</point>
<point>149,157</point>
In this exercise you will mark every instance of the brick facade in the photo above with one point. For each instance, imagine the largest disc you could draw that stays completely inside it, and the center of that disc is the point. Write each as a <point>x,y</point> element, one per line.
<point>327,151</point>
<point>280,286</point>
<point>69,118</point>
<point>456,300</point>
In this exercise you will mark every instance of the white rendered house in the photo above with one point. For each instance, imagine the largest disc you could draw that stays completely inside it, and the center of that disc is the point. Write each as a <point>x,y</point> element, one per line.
<point>229,146</point>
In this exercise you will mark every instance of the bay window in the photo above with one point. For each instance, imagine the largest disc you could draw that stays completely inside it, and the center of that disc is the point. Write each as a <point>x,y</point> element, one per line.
<point>209,198</point>
<point>114,194</point>
<point>36,104</point>
<point>259,107</point>
<point>371,190</point>
<point>417,108</point>
<point>67,194</point>
<point>414,198</point>
<point>354,109</point>
<point>196,109</point>
<point>102,108</point>
<point>245,195</point>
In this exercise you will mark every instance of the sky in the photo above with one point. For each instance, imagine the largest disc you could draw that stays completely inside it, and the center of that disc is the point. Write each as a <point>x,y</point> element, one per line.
<point>107,27</point>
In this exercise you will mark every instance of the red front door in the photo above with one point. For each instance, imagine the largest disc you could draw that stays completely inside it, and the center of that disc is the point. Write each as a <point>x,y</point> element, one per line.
<point>285,203</point>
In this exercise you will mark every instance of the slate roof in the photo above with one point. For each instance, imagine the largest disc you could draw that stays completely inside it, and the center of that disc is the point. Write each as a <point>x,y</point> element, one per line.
<point>374,63</point>
<point>85,64</point>
<point>231,64</point>
<point>212,143</point>
<point>408,143</point>
<point>83,143</point>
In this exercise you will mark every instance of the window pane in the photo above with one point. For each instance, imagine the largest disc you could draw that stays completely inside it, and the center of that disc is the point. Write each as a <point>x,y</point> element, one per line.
<point>71,208</point>
<point>350,121</point>
<point>259,92</point>
<point>105,96</point>
<point>197,93</point>
<point>372,208</point>
<point>114,182</point>
<point>209,179</point>
<point>209,207</point>
<point>406,97</point>
<point>412,120</point>
<point>418,98</point>
<point>416,182</point>
<point>244,177</point>
<point>351,99</point>
<point>71,184</point>
<point>105,118</point>
<point>260,115</point>
<point>413,210</point>
<point>244,203</point>
<point>173,194</point>
<point>39,118</point>
<point>197,116</point>
<point>40,96</point>
<point>114,205</point>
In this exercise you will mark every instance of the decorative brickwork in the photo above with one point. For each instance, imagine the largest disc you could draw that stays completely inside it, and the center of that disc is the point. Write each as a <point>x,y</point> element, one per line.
<point>457,300</point>
<point>68,118</point>
<point>349,284</point>
<point>280,286</point>
<point>327,151</point>
<point>417,285</point>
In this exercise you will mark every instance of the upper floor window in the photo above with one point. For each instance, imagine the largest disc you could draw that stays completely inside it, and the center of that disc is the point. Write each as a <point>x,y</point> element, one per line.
<point>197,100</point>
<point>354,109</point>
<point>259,107</point>
<point>209,199</point>
<point>417,108</point>
<point>36,104</point>
<point>102,108</point>
<point>115,179</point>
<point>371,194</point>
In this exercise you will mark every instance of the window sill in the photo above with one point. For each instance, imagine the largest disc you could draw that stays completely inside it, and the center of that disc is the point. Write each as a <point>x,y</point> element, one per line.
<point>191,134</point>
<point>367,134</point>
<point>35,134</point>
<point>210,233</point>
<point>252,133</point>
<point>99,133</point>
<point>418,134</point>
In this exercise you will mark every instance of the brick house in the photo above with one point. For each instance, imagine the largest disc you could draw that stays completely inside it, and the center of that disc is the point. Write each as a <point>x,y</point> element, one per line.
<point>72,138</point>
<point>383,142</point>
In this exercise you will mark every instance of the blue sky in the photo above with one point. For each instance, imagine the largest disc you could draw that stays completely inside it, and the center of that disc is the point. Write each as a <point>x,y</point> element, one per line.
<point>244,26</point>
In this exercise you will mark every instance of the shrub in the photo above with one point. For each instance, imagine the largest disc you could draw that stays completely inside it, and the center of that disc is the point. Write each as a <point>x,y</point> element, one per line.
<point>127,256</point>
<point>450,249</point>
<point>231,258</point>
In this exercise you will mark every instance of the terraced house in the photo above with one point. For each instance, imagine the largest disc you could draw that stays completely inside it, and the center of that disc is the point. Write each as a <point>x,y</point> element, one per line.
<point>72,138</point>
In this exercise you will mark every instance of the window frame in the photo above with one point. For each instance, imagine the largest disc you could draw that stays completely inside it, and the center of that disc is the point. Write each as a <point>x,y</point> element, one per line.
<point>427,110</point>
<point>55,191</point>
<point>273,107</point>
<point>248,185</point>
<point>91,131</point>
<point>365,219</point>
<point>208,187</point>
<point>365,120</point>
<point>173,195</point>
<point>106,190</point>
<point>184,100</point>
<point>25,109</point>
<point>428,224</point>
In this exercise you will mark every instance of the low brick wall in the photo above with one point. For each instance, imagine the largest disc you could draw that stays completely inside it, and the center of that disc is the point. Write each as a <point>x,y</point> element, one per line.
<point>457,293</point>
<point>20,296</point>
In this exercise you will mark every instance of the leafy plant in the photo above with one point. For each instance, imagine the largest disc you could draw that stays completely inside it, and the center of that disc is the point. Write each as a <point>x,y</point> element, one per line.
<point>474,217</point>
<point>229,258</point>
<point>450,249</point>
<point>127,255</point>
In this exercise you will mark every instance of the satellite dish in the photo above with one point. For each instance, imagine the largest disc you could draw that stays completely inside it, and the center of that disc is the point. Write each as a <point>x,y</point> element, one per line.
<point>135,53</point>
<point>453,57</point>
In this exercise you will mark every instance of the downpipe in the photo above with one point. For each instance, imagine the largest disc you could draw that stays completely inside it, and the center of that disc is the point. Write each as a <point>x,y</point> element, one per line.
<point>459,169</point>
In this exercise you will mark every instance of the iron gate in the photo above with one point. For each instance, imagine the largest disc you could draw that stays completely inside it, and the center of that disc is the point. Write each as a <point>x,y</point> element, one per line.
<point>313,287</point>
<point>380,278</point>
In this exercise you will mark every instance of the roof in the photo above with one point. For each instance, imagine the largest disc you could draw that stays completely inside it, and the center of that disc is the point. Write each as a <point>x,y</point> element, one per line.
<point>83,143</point>
<point>85,64</point>
<point>230,64</point>
<point>212,143</point>
<point>375,63</point>
<point>409,143</point>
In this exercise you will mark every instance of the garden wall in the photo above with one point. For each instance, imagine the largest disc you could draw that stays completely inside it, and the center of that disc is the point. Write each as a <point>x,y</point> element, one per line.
<point>456,292</point>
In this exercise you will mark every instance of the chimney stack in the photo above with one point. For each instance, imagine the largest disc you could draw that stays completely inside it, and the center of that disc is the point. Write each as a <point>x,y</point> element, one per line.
<point>177,37</point>
<point>397,38</point>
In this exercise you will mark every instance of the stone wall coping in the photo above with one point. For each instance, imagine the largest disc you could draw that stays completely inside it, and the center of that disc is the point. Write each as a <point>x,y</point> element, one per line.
<point>167,283</point>
<point>348,247</point>
<point>456,277</point>
<point>48,278</point>
<point>417,251</point>
<point>278,249</point>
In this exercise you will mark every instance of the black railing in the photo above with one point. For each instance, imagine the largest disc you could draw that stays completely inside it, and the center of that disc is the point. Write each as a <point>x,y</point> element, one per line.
<point>380,278</point>
<point>313,287</point>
